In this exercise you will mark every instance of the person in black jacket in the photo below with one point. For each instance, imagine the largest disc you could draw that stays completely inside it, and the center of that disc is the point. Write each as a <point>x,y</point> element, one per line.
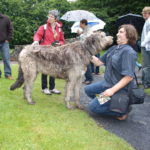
<point>6,31</point>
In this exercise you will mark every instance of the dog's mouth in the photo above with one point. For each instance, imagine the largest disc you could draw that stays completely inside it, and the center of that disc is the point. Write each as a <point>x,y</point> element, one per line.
<point>108,42</point>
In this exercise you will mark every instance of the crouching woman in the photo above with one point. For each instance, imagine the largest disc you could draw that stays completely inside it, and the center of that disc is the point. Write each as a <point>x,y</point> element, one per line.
<point>119,61</point>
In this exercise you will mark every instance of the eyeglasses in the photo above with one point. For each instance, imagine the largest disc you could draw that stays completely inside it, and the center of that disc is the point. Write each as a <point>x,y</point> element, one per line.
<point>144,13</point>
<point>50,16</point>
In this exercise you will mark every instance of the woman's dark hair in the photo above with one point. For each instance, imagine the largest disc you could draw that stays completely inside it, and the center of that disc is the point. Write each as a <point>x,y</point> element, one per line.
<point>131,33</point>
<point>84,21</point>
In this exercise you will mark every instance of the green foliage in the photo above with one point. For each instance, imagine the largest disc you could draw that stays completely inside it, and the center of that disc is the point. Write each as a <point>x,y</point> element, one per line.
<point>110,10</point>
<point>48,125</point>
<point>28,15</point>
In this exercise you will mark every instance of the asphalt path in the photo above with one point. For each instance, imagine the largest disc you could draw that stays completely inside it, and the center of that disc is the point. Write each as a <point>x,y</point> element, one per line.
<point>135,130</point>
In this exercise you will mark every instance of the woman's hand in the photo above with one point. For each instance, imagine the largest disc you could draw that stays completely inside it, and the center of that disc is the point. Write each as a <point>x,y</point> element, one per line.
<point>35,43</point>
<point>78,32</point>
<point>109,92</point>
<point>96,61</point>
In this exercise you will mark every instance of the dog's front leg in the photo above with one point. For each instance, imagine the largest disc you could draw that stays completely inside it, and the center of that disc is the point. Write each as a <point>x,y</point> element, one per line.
<point>69,94</point>
<point>77,92</point>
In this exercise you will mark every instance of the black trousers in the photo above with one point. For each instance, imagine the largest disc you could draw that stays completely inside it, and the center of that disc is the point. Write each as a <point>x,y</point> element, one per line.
<point>44,82</point>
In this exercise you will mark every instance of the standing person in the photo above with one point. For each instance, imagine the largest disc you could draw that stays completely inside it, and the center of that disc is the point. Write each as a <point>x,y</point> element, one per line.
<point>50,33</point>
<point>120,61</point>
<point>145,44</point>
<point>95,69</point>
<point>83,35</point>
<point>6,32</point>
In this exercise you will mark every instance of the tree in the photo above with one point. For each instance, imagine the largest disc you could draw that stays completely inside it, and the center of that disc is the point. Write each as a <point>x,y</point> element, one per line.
<point>110,10</point>
<point>28,15</point>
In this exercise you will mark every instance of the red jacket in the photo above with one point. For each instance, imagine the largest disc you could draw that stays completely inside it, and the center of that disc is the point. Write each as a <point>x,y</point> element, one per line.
<point>48,34</point>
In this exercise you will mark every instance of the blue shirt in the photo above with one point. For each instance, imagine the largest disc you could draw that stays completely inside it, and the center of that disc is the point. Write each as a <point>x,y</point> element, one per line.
<point>120,61</point>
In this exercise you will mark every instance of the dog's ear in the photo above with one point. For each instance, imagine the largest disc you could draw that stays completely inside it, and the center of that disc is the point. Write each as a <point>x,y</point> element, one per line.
<point>93,40</point>
<point>89,41</point>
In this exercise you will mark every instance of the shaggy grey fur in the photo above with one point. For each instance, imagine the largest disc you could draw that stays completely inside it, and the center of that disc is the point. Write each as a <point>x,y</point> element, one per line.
<point>68,62</point>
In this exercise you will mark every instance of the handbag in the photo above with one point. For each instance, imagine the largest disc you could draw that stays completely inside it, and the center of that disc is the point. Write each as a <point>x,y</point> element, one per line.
<point>119,102</point>
<point>136,95</point>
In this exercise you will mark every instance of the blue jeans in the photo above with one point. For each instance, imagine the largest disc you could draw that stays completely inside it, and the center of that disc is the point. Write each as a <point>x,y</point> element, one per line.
<point>95,69</point>
<point>4,48</point>
<point>95,107</point>
<point>88,74</point>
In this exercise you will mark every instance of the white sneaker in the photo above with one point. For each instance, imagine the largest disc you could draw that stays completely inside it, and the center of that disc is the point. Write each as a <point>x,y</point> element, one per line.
<point>55,91</point>
<point>46,91</point>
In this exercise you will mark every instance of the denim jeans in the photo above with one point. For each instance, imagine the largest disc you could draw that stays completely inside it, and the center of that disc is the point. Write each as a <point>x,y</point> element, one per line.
<point>95,107</point>
<point>88,74</point>
<point>95,88</point>
<point>95,69</point>
<point>4,48</point>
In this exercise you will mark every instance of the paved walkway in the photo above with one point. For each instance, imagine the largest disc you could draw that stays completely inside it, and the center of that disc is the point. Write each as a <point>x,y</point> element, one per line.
<point>135,130</point>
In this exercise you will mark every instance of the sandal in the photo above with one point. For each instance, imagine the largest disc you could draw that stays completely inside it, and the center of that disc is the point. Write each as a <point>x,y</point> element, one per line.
<point>124,117</point>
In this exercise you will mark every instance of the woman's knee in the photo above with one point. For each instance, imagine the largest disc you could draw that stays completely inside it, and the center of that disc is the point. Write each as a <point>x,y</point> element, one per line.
<point>91,107</point>
<point>94,105</point>
<point>88,91</point>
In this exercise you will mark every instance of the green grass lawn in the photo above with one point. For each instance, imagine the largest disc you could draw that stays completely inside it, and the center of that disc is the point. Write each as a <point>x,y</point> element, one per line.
<point>48,125</point>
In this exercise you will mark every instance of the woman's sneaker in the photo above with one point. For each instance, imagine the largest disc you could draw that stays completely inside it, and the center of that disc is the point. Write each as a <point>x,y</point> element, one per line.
<point>55,91</point>
<point>46,91</point>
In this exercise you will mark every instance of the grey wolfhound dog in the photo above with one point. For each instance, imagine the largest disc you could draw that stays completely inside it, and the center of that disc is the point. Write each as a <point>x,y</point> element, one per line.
<point>67,62</point>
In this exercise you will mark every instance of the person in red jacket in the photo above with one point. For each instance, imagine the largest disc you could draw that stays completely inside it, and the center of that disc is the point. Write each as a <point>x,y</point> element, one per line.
<point>50,34</point>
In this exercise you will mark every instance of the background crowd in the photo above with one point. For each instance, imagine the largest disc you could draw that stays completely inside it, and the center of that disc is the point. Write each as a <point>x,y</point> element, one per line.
<point>120,60</point>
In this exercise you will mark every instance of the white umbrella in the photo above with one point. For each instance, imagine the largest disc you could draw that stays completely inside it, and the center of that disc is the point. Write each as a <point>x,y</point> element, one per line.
<point>95,25</point>
<point>77,15</point>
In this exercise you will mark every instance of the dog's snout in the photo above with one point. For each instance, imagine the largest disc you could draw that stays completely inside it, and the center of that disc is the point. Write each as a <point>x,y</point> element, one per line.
<point>111,37</point>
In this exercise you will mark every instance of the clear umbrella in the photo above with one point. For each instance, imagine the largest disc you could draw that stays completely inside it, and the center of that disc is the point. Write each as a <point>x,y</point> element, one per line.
<point>95,25</point>
<point>77,15</point>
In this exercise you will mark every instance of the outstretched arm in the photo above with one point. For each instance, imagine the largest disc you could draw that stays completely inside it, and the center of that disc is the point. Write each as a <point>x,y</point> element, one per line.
<point>96,61</point>
<point>121,84</point>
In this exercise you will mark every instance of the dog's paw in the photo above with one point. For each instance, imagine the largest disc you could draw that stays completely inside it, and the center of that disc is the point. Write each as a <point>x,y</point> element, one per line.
<point>31,103</point>
<point>69,106</point>
<point>79,106</point>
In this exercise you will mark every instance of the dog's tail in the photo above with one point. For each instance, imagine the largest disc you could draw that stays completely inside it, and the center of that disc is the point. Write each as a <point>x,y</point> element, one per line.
<point>19,81</point>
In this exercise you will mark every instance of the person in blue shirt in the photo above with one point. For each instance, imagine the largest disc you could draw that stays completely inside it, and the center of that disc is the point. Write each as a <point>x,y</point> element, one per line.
<point>120,61</point>
<point>83,35</point>
<point>145,48</point>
